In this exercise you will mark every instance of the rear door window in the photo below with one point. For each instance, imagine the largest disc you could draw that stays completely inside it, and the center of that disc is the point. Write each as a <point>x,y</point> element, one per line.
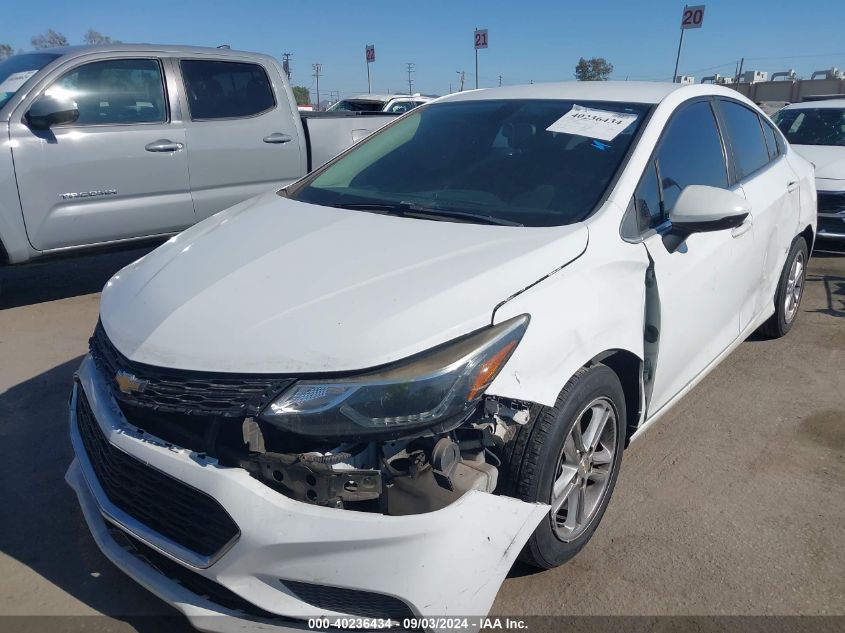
<point>115,92</point>
<point>690,153</point>
<point>771,141</point>
<point>226,90</point>
<point>746,138</point>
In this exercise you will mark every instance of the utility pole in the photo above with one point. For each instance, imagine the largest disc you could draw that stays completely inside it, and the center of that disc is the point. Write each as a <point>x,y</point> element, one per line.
<point>286,64</point>
<point>739,72</point>
<point>317,68</point>
<point>461,73</point>
<point>410,82</point>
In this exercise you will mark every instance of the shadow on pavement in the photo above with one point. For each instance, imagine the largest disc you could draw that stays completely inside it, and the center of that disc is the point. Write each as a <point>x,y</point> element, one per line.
<point>70,276</point>
<point>42,525</point>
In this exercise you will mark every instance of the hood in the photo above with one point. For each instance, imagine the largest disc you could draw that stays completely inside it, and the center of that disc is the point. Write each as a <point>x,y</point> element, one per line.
<point>828,159</point>
<point>272,285</point>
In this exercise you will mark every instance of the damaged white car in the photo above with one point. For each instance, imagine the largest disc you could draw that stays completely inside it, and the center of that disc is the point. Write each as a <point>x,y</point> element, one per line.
<point>366,395</point>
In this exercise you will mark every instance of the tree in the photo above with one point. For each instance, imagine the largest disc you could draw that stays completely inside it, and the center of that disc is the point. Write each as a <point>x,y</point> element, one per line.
<point>93,37</point>
<point>5,51</point>
<point>50,39</point>
<point>302,95</point>
<point>593,69</point>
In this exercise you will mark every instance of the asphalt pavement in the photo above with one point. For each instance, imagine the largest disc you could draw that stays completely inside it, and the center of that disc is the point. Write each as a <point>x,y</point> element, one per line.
<point>732,505</point>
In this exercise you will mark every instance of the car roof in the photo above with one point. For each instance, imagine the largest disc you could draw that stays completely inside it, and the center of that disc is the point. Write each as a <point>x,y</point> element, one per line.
<point>625,91</point>
<point>821,103</point>
<point>72,51</point>
<point>380,97</point>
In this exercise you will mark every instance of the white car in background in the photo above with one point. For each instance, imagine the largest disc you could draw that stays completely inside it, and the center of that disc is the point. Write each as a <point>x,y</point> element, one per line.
<point>366,394</point>
<point>816,129</point>
<point>394,104</point>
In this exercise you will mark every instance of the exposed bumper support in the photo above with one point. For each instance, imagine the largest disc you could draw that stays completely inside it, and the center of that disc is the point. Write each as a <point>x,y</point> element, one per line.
<point>448,562</point>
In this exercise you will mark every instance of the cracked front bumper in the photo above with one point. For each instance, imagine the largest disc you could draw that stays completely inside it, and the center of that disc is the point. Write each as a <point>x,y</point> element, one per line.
<point>448,562</point>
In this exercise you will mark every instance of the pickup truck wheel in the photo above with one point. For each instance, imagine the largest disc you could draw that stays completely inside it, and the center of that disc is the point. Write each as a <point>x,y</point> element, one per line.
<point>568,456</point>
<point>789,292</point>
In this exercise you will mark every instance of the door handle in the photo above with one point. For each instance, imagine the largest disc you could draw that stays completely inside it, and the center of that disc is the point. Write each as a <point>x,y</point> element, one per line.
<point>792,186</point>
<point>163,145</point>
<point>278,137</point>
<point>743,228</point>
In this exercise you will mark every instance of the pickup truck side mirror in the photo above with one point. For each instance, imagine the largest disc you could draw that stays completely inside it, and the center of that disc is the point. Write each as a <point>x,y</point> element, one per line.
<point>48,111</point>
<point>701,208</point>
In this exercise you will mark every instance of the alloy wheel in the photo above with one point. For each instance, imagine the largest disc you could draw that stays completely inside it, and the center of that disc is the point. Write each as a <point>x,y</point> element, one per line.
<point>584,469</point>
<point>794,287</point>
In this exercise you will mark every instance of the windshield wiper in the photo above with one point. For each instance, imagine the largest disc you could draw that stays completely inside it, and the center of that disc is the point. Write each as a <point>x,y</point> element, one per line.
<point>411,209</point>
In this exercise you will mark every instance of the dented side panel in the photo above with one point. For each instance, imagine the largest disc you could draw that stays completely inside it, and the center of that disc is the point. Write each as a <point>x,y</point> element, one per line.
<point>595,304</point>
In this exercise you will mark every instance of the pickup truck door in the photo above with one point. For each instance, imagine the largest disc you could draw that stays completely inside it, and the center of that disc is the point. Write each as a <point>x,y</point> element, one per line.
<point>243,135</point>
<point>702,283</point>
<point>120,171</point>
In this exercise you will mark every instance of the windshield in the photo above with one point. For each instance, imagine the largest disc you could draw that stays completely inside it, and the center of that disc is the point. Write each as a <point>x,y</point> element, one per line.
<point>812,126</point>
<point>357,105</point>
<point>502,161</point>
<point>15,70</point>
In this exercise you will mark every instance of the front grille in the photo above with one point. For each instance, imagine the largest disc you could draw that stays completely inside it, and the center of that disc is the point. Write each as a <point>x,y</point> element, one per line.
<point>165,505</point>
<point>350,601</point>
<point>831,225</point>
<point>185,392</point>
<point>192,581</point>
<point>830,202</point>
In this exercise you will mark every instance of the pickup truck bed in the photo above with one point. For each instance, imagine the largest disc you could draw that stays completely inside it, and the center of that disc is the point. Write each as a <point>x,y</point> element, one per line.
<point>330,133</point>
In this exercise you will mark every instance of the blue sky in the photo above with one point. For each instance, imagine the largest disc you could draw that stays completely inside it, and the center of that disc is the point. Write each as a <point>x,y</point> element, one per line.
<point>538,40</point>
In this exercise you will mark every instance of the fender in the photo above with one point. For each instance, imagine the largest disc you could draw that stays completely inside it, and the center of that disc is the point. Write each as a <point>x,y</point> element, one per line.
<point>594,304</point>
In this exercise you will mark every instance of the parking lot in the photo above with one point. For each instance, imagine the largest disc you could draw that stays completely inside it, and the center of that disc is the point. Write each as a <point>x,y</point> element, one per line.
<point>732,505</point>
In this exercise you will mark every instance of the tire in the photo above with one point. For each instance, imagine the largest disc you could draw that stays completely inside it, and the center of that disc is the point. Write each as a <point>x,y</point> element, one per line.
<point>546,447</point>
<point>789,292</point>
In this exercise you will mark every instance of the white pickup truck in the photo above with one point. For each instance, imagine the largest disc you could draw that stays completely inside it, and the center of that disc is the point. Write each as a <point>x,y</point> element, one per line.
<point>107,144</point>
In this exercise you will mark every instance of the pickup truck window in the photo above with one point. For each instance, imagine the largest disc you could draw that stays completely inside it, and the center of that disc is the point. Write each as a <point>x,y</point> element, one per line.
<point>226,90</point>
<point>492,159</point>
<point>15,70</point>
<point>115,92</point>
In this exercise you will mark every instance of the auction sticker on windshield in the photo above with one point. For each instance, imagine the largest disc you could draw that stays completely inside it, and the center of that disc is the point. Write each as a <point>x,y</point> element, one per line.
<point>592,123</point>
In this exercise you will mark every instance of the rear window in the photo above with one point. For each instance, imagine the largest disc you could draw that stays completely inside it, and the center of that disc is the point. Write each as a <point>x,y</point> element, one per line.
<point>517,161</point>
<point>226,90</point>
<point>812,126</point>
<point>357,105</point>
<point>746,136</point>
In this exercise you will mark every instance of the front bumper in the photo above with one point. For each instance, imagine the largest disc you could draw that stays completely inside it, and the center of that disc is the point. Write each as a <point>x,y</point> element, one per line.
<point>448,562</point>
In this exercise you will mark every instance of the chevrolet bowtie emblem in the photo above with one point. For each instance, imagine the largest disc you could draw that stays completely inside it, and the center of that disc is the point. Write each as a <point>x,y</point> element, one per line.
<point>129,383</point>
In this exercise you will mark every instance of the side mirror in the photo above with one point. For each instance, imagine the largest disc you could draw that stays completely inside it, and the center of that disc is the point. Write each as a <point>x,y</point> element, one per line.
<point>48,111</point>
<point>701,208</point>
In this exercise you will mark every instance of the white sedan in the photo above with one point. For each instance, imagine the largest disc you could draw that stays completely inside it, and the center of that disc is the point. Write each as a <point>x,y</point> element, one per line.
<point>816,129</point>
<point>369,393</point>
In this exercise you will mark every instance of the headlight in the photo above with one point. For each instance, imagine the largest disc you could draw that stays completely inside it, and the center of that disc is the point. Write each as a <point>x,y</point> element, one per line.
<point>437,388</point>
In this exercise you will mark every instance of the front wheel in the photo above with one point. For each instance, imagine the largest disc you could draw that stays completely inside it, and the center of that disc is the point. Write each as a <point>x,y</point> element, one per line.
<point>789,291</point>
<point>568,456</point>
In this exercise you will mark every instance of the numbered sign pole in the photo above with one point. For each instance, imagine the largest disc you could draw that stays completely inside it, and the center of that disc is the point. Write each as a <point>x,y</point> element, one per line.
<point>371,57</point>
<point>691,18</point>
<point>678,57</point>
<point>480,40</point>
